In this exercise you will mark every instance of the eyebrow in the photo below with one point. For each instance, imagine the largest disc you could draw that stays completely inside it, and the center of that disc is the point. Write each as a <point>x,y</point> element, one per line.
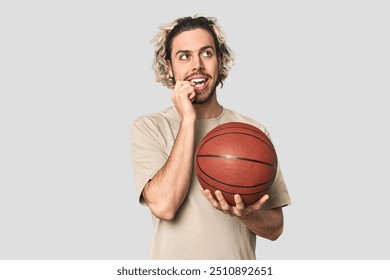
<point>200,50</point>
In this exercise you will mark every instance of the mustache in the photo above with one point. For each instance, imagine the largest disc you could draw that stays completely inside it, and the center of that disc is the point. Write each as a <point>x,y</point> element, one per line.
<point>195,74</point>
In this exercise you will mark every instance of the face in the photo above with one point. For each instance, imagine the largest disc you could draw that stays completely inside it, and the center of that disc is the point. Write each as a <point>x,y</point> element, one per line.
<point>194,59</point>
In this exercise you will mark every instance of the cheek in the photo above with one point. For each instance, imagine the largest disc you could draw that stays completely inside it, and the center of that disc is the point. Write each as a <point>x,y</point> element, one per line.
<point>217,69</point>
<point>177,70</point>
<point>179,73</point>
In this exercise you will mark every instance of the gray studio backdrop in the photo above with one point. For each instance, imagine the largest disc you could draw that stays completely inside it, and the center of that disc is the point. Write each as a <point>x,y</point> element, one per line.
<point>75,74</point>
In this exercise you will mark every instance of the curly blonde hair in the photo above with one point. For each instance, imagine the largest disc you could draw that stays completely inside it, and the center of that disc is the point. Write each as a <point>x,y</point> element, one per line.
<point>163,46</point>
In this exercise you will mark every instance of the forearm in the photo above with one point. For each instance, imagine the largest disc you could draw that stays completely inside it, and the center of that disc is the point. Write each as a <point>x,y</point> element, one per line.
<point>168,188</point>
<point>265,223</point>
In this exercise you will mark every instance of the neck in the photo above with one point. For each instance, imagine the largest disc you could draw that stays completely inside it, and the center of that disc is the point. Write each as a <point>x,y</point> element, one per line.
<point>208,110</point>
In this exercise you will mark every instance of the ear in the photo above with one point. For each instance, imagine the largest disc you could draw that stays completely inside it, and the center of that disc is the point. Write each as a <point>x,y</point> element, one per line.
<point>219,63</point>
<point>170,71</point>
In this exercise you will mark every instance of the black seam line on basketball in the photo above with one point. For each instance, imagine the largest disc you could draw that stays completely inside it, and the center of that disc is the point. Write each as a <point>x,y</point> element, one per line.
<point>265,142</point>
<point>223,191</point>
<point>248,128</point>
<point>232,132</point>
<point>237,158</point>
<point>258,131</point>
<point>270,144</point>
<point>231,185</point>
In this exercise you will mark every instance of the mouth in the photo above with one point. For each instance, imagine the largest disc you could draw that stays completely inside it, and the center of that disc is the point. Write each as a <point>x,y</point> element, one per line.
<point>198,82</point>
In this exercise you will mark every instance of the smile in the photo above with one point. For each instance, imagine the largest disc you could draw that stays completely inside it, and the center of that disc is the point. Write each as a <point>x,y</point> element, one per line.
<point>198,82</point>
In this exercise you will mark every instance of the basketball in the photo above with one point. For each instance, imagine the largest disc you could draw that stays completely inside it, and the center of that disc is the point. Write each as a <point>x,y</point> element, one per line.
<point>236,158</point>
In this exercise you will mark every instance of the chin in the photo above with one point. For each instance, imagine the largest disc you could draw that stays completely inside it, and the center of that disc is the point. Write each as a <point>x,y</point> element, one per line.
<point>202,98</point>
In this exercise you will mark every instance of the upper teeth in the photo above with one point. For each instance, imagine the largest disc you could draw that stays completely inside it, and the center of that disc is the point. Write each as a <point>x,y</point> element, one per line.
<point>198,80</point>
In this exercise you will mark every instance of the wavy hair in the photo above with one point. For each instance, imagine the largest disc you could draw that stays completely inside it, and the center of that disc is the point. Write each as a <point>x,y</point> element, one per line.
<point>163,46</point>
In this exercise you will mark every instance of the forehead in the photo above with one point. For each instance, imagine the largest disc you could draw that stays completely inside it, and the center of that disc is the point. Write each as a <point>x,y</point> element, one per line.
<point>192,40</point>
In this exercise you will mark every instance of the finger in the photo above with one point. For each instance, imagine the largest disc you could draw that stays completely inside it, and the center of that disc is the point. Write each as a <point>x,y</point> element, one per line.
<point>210,198</point>
<point>264,199</point>
<point>260,203</point>
<point>183,91</point>
<point>222,201</point>
<point>180,84</point>
<point>192,95</point>
<point>239,203</point>
<point>179,90</point>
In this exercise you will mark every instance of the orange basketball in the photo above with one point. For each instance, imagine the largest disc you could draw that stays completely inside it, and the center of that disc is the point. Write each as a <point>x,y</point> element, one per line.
<point>236,158</point>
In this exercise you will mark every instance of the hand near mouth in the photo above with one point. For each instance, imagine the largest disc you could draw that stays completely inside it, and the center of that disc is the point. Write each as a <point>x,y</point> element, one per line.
<point>182,96</point>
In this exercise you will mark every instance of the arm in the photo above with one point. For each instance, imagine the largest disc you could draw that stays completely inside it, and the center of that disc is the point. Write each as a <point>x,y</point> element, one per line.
<point>264,223</point>
<point>166,191</point>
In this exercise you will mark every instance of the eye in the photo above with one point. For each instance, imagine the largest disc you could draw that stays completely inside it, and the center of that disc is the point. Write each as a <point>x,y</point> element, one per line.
<point>207,53</point>
<point>184,56</point>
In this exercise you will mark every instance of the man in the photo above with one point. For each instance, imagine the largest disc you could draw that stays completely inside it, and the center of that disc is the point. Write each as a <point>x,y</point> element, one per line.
<point>192,59</point>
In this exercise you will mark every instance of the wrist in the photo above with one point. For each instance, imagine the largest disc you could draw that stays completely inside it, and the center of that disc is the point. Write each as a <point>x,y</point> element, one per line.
<point>188,122</point>
<point>247,217</point>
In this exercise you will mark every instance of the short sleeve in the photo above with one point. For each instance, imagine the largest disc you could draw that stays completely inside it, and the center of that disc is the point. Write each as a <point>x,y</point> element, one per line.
<point>278,193</point>
<point>148,153</point>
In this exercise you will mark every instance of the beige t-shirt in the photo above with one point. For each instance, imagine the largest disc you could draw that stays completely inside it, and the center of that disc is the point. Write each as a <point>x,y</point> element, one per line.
<point>198,231</point>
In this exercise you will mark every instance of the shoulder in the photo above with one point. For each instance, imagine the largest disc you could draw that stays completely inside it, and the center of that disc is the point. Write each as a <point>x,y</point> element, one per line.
<point>160,125</point>
<point>238,117</point>
<point>157,119</point>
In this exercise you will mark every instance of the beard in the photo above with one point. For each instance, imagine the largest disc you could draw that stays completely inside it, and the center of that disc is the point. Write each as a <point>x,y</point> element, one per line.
<point>205,96</point>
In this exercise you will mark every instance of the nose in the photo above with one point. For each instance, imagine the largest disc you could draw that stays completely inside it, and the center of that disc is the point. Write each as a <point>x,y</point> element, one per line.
<point>198,63</point>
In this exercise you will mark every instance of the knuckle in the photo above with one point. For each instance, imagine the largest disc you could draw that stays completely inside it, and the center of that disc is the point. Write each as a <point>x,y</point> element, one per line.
<point>216,206</point>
